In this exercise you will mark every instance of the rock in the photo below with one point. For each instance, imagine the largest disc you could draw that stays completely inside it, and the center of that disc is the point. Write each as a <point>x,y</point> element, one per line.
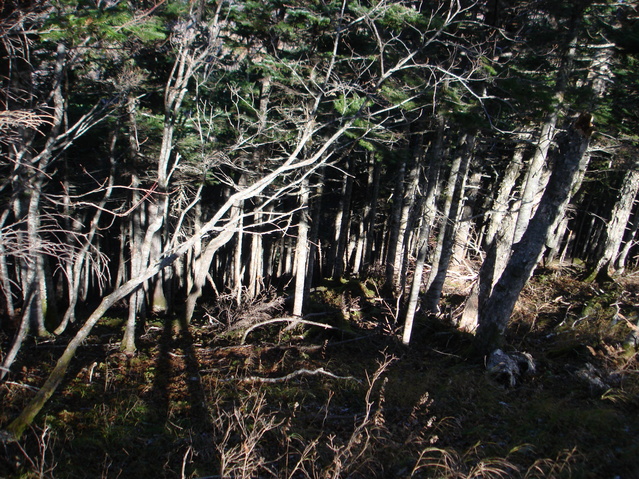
<point>509,367</point>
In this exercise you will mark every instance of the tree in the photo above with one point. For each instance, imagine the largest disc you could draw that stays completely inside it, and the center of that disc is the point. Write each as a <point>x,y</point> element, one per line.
<point>495,310</point>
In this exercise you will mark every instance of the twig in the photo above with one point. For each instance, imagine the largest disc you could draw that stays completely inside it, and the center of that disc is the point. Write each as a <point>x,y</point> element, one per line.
<point>288,320</point>
<point>299,372</point>
<point>26,386</point>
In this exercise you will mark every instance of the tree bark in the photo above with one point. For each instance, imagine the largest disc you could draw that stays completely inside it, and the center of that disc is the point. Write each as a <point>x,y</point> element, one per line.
<point>344,218</point>
<point>301,250</point>
<point>534,182</point>
<point>429,209</point>
<point>453,197</point>
<point>495,313</point>
<point>616,227</point>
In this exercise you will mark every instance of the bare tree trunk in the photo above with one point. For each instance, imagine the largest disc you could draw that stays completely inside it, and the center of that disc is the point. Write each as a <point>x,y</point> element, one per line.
<point>256,260</point>
<point>238,269</point>
<point>345,220</point>
<point>394,222</point>
<point>495,313</point>
<point>371,213</point>
<point>453,198</point>
<point>314,253</point>
<point>533,183</point>
<point>408,203</point>
<point>5,279</point>
<point>499,234</point>
<point>363,236</point>
<point>632,241</point>
<point>463,236</point>
<point>616,227</point>
<point>301,250</point>
<point>434,167</point>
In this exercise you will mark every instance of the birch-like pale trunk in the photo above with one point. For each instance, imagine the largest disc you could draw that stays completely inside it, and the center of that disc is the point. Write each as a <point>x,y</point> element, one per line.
<point>301,250</point>
<point>618,223</point>
<point>495,312</point>
<point>453,197</point>
<point>434,167</point>
<point>535,177</point>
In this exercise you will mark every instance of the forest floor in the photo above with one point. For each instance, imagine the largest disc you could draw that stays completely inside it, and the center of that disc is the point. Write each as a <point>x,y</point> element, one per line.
<point>350,402</point>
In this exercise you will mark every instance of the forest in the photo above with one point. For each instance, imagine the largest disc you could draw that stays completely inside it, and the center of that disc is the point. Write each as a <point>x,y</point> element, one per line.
<point>319,238</point>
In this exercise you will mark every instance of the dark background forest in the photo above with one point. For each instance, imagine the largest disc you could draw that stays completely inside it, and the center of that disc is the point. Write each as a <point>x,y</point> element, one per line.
<point>276,212</point>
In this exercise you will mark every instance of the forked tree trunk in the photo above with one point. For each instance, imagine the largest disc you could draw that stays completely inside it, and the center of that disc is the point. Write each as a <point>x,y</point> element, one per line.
<point>495,312</point>
<point>498,235</point>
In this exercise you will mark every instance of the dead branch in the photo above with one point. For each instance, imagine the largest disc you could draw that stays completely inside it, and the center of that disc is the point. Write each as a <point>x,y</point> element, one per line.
<point>299,372</point>
<point>289,320</point>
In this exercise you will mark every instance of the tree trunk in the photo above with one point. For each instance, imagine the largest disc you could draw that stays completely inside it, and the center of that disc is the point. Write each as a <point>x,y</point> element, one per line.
<point>632,241</point>
<point>434,166</point>
<point>394,221</point>
<point>534,183</point>
<point>364,237</point>
<point>301,250</point>
<point>498,236</point>
<point>342,231</point>
<point>453,198</point>
<point>616,227</point>
<point>495,313</point>
<point>408,202</point>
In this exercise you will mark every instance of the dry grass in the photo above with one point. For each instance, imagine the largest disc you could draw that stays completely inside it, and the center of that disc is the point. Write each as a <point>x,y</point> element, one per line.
<point>182,409</point>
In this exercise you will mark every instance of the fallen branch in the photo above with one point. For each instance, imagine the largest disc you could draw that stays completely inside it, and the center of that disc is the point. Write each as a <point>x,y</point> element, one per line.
<point>299,372</point>
<point>289,320</point>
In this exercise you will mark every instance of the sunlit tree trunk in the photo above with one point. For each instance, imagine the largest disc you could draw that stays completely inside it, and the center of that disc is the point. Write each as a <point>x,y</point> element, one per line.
<point>498,235</point>
<point>535,178</point>
<point>618,223</point>
<point>301,250</point>
<point>494,313</point>
<point>453,199</point>
<point>434,165</point>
